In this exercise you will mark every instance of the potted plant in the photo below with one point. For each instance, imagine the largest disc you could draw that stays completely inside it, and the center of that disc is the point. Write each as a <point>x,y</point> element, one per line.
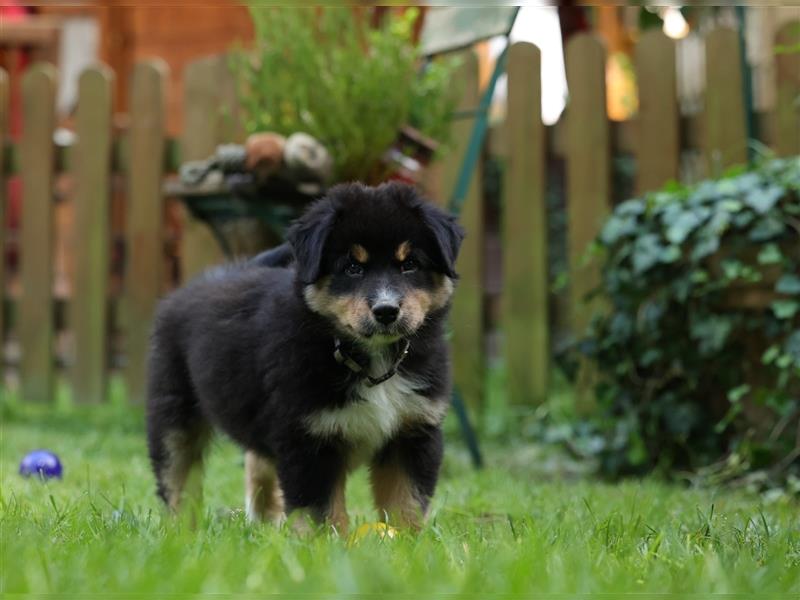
<point>361,91</point>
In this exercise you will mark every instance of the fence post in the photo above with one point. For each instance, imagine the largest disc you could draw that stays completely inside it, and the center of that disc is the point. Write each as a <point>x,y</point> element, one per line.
<point>36,322</point>
<point>787,110</point>
<point>588,181</point>
<point>525,274</point>
<point>202,88</point>
<point>724,115</point>
<point>658,144</point>
<point>145,220</point>
<point>3,196</point>
<point>467,314</point>
<point>92,236</point>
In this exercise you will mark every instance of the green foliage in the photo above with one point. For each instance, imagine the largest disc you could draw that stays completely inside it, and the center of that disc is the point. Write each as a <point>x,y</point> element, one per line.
<point>699,350</point>
<point>321,71</point>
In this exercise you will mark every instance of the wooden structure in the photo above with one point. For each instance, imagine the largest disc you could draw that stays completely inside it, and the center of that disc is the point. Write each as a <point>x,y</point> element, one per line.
<point>141,155</point>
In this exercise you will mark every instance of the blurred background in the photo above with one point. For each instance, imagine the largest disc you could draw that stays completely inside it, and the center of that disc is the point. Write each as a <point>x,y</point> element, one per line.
<point>143,143</point>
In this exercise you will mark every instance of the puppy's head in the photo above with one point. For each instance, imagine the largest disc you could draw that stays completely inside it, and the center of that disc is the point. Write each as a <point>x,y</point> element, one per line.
<point>376,261</point>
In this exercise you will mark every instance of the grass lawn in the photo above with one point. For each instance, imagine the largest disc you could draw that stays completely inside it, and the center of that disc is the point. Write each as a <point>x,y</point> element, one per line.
<point>502,531</point>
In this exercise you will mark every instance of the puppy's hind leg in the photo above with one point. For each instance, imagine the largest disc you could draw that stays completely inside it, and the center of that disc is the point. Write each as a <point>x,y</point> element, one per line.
<point>263,497</point>
<point>177,458</point>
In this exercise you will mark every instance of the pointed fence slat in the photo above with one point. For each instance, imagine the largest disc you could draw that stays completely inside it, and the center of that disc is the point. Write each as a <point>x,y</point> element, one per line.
<point>145,221</point>
<point>724,115</point>
<point>3,200</point>
<point>787,110</point>
<point>525,276</point>
<point>92,236</point>
<point>588,184</point>
<point>588,166</point>
<point>658,145</point>
<point>202,86</point>
<point>466,317</point>
<point>36,322</point>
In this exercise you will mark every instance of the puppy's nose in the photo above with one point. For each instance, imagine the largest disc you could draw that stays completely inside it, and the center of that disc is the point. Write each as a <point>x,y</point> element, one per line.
<point>385,313</point>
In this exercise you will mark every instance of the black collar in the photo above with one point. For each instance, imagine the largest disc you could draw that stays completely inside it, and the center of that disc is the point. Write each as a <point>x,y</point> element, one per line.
<point>342,357</point>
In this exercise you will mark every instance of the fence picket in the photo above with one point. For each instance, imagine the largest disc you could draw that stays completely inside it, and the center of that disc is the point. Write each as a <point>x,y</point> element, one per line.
<point>467,313</point>
<point>92,236</point>
<point>525,275</point>
<point>199,249</point>
<point>658,144</point>
<point>36,322</point>
<point>145,222</point>
<point>3,195</point>
<point>724,115</point>
<point>588,165</point>
<point>588,182</point>
<point>787,110</point>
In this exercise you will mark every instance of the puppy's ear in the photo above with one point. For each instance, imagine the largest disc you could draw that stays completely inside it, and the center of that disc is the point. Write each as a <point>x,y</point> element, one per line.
<point>307,237</point>
<point>447,235</point>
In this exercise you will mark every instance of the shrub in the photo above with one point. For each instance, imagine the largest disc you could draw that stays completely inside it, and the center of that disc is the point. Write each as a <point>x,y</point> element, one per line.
<point>322,71</point>
<point>698,354</point>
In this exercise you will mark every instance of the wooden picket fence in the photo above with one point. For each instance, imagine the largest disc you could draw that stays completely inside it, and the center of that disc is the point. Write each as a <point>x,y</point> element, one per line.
<point>143,155</point>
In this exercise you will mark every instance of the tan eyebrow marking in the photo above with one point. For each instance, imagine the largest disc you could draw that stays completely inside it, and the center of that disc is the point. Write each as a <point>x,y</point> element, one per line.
<point>403,250</point>
<point>360,253</point>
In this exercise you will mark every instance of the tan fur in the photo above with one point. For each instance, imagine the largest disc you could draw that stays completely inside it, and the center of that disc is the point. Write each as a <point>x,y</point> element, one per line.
<point>183,476</point>
<point>348,311</point>
<point>337,513</point>
<point>304,521</point>
<point>395,496</point>
<point>358,252</point>
<point>403,250</point>
<point>263,496</point>
<point>418,303</point>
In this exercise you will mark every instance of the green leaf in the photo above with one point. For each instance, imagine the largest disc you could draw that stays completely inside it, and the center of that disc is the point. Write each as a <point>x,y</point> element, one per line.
<point>671,254</point>
<point>770,355</point>
<point>766,229</point>
<point>647,252</point>
<point>785,309</point>
<point>788,284</point>
<point>682,227</point>
<point>711,332</point>
<point>739,392</point>
<point>633,207</point>
<point>792,347</point>
<point>762,200</point>
<point>617,227</point>
<point>650,356</point>
<point>770,255</point>
<point>705,247</point>
<point>731,206</point>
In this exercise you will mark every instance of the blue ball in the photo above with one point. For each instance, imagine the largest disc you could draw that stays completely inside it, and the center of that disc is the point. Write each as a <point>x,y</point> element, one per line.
<point>42,463</point>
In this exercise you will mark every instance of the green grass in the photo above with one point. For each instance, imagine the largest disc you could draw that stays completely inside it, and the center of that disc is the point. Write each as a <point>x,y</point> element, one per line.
<point>507,530</point>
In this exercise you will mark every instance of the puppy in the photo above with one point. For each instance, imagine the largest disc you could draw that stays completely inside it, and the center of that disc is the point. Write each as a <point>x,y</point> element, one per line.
<point>333,359</point>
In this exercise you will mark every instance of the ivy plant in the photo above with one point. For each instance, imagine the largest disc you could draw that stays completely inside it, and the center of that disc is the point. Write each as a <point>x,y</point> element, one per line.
<point>698,350</point>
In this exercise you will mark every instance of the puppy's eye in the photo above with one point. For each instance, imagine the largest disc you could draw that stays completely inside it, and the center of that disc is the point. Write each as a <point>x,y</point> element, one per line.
<point>353,269</point>
<point>408,266</point>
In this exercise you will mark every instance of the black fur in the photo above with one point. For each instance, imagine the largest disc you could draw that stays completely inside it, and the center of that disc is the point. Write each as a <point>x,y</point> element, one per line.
<point>239,349</point>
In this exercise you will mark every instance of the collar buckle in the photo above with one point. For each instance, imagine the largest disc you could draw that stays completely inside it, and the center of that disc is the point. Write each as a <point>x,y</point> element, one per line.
<point>341,357</point>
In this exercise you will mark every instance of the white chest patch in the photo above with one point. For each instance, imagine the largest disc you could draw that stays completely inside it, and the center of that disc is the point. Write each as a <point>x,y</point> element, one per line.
<point>370,421</point>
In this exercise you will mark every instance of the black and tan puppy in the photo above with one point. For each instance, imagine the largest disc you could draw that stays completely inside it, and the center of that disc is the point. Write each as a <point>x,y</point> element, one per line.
<point>335,359</point>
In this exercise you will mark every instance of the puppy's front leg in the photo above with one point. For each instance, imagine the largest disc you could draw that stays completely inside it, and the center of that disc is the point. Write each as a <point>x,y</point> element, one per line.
<point>404,475</point>
<point>313,484</point>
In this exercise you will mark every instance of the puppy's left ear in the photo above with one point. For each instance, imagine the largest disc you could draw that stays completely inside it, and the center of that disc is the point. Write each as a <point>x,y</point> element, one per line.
<point>447,235</point>
<point>307,237</point>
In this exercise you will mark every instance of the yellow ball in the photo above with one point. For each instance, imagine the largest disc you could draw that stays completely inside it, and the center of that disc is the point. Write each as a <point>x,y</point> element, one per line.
<point>382,530</point>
